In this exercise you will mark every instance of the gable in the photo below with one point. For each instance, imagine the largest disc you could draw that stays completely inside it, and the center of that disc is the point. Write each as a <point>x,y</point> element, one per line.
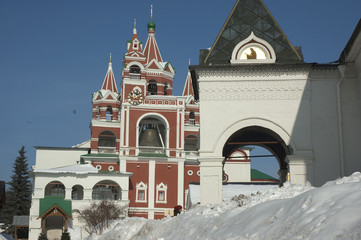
<point>249,16</point>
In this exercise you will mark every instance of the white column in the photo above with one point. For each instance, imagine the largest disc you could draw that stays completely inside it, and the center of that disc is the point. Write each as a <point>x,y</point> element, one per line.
<point>127,129</point>
<point>301,168</point>
<point>211,180</point>
<point>177,135</point>
<point>182,132</point>
<point>68,193</point>
<point>180,182</point>
<point>151,189</point>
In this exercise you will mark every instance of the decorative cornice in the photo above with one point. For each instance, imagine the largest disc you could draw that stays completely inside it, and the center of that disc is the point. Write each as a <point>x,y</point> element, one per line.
<point>252,70</point>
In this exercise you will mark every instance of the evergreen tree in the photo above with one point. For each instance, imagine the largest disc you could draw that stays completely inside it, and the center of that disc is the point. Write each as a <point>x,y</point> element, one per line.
<point>18,199</point>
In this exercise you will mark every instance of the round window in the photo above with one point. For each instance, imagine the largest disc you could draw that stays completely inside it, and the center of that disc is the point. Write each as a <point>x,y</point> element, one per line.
<point>111,168</point>
<point>190,172</point>
<point>198,173</point>
<point>99,167</point>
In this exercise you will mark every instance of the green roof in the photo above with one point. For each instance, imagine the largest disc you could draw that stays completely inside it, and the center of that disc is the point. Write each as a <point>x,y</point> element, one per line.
<point>48,202</point>
<point>151,24</point>
<point>152,155</point>
<point>255,174</point>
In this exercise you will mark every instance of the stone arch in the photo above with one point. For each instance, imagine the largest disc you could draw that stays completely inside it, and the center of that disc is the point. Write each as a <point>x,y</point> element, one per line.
<point>249,122</point>
<point>160,118</point>
<point>55,188</point>
<point>77,192</point>
<point>135,63</point>
<point>260,136</point>
<point>107,190</point>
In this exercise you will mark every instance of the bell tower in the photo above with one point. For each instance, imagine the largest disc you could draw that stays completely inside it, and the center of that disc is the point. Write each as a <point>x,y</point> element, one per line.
<point>105,121</point>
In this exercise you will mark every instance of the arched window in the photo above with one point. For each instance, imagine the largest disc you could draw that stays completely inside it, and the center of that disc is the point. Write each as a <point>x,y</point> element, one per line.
<point>109,114</point>
<point>107,139</point>
<point>192,118</point>
<point>134,69</point>
<point>152,87</point>
<point>99,113</point>
<point>107,142</point>
<point>134,72</point>
<point>55,188</point>
<point>77,192</point>
<point>152,135</point>
<point>106,190</point>
<point>191,143</point>
<point>165,88</point>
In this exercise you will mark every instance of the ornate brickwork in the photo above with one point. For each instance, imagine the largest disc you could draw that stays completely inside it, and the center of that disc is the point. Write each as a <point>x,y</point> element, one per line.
<point>254,90</point>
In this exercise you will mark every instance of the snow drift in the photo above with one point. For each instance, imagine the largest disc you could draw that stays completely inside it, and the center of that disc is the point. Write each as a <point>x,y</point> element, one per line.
<point>291,212</point>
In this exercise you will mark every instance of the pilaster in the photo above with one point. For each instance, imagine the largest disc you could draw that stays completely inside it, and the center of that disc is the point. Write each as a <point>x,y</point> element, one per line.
<point>211,180</point>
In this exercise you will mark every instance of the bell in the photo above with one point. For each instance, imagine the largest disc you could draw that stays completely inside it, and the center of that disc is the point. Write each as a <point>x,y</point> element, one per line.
<point>150,137</point>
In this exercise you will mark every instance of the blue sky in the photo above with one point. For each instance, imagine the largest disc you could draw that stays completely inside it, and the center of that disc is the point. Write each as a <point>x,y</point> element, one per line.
<point>54,55</point>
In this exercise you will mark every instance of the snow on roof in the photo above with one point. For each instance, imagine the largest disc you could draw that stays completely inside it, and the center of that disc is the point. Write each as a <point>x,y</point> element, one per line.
<point>83,144</point>
<point>78,169</point>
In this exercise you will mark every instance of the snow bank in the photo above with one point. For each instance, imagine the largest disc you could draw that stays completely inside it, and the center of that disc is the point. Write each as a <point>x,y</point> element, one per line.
<point>291,212</point>
<point>4,236</point>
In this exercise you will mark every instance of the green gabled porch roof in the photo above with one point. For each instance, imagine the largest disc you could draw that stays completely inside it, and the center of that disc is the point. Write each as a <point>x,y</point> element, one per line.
<point>250,16</point>
<point>48,202</point>
<point>258,175</point>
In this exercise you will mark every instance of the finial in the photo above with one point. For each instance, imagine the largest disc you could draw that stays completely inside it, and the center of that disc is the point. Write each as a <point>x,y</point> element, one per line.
<point>189,62</point>
<point>135,25</point>
<point>151,11</point>
<point>110,57</point>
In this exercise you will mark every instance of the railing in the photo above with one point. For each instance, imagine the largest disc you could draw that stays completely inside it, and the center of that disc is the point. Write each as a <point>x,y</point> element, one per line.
<point>134,76</point>
<point>191,153</point>
<point>106,149</point>
<point>147,149</point>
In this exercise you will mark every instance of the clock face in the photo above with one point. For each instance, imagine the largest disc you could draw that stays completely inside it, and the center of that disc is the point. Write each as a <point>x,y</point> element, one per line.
<point>135,97</point>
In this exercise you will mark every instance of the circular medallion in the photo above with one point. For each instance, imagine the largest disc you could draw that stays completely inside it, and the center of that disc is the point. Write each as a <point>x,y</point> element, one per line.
<point>135,97</point>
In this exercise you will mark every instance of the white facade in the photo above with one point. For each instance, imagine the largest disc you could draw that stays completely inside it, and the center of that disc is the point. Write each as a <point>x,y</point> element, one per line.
<point>84,176</point>
<point>307,115</point>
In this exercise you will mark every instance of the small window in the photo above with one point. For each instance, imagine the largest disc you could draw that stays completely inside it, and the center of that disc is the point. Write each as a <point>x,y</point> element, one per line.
<point>152,87</point>
<point>109,114</point>
<point>161,193</point>
<point>192,118</point>
<point>141,195</point>
<point>134,69</point>
<point>190,172</point>
<point>141,192</point>
<point>165,88</point>
<point>111,168</point>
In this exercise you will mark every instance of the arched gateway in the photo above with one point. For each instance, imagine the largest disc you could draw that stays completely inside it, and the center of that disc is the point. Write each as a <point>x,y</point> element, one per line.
<point>254,88</point>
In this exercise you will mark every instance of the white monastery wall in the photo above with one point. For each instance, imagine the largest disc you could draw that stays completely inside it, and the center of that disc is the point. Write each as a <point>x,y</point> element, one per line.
<point>262,103</point>
<point>324,126</point>
<point>64,157</point>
